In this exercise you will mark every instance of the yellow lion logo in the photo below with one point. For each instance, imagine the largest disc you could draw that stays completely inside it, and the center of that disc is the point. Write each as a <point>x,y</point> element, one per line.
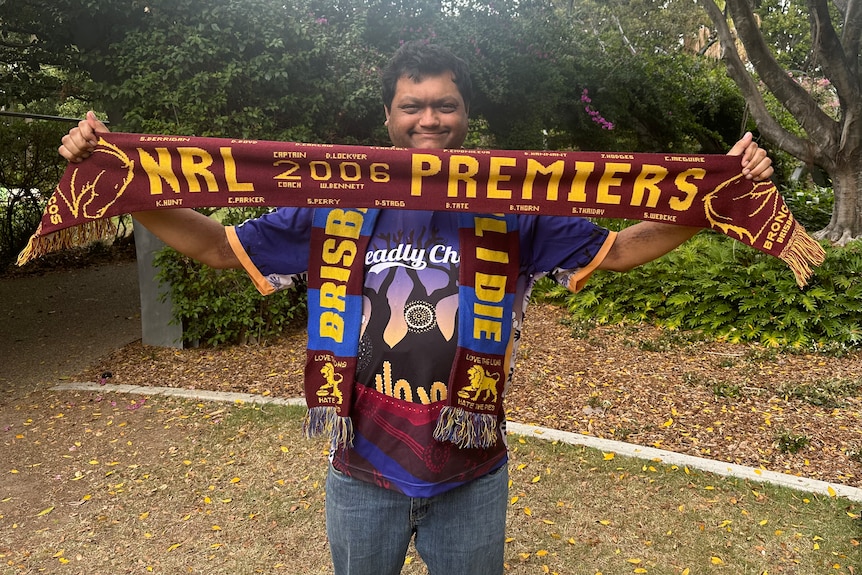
<point>480,380</point>
<point>332,382</point>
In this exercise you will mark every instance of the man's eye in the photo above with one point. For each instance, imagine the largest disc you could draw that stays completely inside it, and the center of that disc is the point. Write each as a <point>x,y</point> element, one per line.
<point>410,109</point>
<point>448,108</point>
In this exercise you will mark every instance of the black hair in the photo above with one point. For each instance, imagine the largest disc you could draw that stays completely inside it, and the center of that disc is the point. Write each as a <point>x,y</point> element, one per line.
<point>417,60</point>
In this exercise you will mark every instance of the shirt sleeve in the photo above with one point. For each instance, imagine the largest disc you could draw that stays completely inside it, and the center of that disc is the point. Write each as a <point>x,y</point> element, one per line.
<point>569,249</point>
<point>273,248</point>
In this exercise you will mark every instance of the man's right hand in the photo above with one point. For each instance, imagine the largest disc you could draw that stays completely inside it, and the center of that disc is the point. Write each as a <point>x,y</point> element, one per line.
<point>81,140</point>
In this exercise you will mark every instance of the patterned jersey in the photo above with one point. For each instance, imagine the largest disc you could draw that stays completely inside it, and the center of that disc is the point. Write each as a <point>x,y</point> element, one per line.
<point>409,330</point>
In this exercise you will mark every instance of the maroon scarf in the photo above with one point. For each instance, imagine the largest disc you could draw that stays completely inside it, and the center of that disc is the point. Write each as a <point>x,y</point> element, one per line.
<point>134,172</point>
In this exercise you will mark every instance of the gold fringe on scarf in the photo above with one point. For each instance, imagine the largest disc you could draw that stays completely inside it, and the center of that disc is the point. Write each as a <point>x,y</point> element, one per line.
<point>76,236</point>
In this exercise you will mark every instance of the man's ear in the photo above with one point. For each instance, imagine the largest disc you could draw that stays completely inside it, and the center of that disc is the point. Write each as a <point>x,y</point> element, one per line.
<point>386,111</point>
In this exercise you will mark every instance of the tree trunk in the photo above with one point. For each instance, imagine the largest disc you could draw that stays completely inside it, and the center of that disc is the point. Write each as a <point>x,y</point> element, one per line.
<point>846,222</point>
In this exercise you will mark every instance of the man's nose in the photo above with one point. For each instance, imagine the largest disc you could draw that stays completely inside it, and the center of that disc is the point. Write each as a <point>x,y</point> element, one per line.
<point>430,117</point>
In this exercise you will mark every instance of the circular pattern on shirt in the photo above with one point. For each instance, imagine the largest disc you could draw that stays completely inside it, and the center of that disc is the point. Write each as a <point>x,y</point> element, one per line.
<point>419,316</point>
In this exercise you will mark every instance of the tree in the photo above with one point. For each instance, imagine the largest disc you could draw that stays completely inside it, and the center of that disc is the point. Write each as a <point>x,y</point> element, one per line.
<point>833,143</point>
<point>29,169</point>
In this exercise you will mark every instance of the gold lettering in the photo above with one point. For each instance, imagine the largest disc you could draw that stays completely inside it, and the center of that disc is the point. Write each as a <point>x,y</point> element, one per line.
<point>496,176</point>
<point>333,296</point>
<point>490,288</point>
<point>195,163</point>
<point>230,173</point>
<point>462,169</point>
<point>332,326</point>
<point>347,224</point>
<point>534,168</point>
<point>583,170</point>
<point>609,179</point>
<point>335,252</point>
<point>424,165</point>
<point>688,188</point>
<point>487,329</point>
<point>158,170</point>
<point>648,180</point>
<point>488,310</point>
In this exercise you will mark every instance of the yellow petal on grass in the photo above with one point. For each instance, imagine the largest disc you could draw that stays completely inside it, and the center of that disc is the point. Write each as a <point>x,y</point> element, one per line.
<point>45,511</point>
<point>175,546</point>
<point>235,480</point>
<point>686,571</point>
<point>604,521</point>
<point>634,561</point>
<point>609,456</point>
<point>831,492</point>
<point>716,560</point>
<point>541,552</point>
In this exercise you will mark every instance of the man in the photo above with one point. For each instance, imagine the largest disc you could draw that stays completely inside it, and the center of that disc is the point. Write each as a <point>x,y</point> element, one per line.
<point>406,470</point>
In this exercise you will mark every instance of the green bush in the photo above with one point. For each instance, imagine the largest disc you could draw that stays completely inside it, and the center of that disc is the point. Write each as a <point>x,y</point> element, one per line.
<point>726,290</point>
<point>223,306</point>
<point>810,205</point>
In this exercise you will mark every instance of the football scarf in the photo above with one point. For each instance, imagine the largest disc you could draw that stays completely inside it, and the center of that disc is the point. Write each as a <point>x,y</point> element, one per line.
<point>134,172</point>
<point>488,273</point>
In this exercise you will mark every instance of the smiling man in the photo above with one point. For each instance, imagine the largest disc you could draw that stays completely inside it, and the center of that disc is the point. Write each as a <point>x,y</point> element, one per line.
<point>414,322</point>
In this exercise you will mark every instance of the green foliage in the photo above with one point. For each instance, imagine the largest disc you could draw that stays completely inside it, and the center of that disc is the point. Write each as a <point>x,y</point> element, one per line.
<point>828,394</point>
<point>787,442</point>
<point>222,306</point>
<point>29,169</point>
<point>810,205</point>
<point>724,289</point>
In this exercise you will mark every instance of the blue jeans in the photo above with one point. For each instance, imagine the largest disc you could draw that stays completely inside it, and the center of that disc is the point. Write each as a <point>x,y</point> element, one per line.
<point>461,532</point>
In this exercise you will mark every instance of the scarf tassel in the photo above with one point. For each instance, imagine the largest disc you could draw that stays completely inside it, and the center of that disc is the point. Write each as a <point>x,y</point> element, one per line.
<point>75,236</point>
<point>325,420</point>
<point>466,429</point>
<point>801,252</point>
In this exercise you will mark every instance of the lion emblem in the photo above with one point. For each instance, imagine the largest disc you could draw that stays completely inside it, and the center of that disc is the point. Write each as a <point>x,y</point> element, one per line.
<point>480,380</point>
<point>330,388</point>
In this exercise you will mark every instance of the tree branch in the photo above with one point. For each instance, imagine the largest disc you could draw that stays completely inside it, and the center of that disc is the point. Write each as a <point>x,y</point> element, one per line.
<point>737,70</point>
<point>819,126</point>
<point>830,52</point>
<point>852,33</point>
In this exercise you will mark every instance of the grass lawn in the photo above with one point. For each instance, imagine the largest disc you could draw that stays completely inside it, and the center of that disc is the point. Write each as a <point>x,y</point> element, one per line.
<point>108,483</point>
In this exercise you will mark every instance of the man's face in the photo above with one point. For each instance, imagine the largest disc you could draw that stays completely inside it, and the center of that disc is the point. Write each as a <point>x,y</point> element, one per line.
<point>427,114</point>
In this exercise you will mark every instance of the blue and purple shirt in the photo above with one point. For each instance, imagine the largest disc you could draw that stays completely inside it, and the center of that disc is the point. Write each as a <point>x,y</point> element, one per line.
<point>409,329</point>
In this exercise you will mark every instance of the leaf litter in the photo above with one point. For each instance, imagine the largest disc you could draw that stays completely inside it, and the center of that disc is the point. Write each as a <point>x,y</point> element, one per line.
<point>738,403</point>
